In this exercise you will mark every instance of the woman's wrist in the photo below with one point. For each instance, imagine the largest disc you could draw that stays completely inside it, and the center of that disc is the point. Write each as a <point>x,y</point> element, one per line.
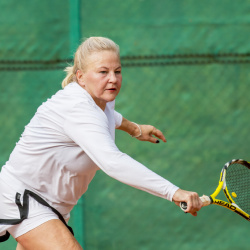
<point>137,131</point>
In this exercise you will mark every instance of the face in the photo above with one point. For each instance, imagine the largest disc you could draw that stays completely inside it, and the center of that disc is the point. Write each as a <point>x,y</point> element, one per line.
<point>102,78</point>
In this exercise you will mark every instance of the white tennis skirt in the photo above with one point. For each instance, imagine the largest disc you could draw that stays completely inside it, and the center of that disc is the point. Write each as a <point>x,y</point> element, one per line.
<point>37,213</point>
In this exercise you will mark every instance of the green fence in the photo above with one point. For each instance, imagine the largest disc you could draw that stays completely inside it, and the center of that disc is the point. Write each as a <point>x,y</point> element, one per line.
<point>185,70</point>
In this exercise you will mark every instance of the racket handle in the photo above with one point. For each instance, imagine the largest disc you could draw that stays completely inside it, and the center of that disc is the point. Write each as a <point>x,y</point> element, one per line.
<point>205,200</point>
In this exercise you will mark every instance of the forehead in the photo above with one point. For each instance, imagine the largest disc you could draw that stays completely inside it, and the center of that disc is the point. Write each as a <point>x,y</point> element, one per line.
<point>105,58</point>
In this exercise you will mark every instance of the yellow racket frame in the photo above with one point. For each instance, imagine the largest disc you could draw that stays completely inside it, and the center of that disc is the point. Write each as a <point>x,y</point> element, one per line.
<point>230,204</point>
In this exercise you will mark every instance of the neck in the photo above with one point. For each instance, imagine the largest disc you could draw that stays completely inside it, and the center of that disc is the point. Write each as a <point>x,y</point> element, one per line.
<point>100,104</point>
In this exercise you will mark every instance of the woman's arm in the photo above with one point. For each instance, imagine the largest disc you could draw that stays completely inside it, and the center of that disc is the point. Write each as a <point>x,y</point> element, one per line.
<point>142,132</point>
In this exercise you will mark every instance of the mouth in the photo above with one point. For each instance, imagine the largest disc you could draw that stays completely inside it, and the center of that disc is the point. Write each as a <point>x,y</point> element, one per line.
<point>111,89</point>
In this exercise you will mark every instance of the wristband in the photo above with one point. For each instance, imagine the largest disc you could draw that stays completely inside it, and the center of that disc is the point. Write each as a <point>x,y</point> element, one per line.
<point>139,129</point>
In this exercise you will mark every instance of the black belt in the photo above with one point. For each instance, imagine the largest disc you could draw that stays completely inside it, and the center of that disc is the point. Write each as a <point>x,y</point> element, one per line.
<point>24,211</point>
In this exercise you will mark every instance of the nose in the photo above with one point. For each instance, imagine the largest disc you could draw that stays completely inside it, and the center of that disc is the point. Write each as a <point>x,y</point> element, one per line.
<point>112,77</point>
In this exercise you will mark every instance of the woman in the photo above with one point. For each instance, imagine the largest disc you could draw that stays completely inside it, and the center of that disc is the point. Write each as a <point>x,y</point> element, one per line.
<point>70,137</point>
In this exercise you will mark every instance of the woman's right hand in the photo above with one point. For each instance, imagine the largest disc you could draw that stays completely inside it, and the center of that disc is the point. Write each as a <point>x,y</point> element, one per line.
<point>194,204</point>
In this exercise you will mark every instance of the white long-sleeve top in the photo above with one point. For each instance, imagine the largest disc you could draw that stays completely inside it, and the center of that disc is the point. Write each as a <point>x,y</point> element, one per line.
<point>66,142</point>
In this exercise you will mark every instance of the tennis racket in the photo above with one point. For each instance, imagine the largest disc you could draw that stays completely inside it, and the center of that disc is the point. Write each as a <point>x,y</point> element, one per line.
<point>235,182</point>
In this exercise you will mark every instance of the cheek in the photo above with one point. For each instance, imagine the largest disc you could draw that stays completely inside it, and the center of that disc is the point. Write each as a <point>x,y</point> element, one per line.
<point>94,83</point>
<point>119,82</point>
<point>100,88</point>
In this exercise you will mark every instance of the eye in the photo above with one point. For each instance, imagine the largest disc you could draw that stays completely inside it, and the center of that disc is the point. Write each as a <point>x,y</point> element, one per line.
<point>117,72</point>
<point>103,72</point>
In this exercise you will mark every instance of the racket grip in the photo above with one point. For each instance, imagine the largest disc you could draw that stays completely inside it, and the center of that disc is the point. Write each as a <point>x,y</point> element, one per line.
<point>205,200</point>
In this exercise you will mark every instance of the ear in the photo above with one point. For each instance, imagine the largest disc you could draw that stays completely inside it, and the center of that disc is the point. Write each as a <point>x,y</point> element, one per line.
<point>79,77</point>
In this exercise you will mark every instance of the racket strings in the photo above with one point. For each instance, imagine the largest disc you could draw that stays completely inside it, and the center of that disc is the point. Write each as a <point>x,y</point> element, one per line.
<point>238,185</point>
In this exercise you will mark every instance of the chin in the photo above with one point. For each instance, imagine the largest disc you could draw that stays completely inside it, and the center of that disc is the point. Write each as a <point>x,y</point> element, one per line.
<point>111,98</point>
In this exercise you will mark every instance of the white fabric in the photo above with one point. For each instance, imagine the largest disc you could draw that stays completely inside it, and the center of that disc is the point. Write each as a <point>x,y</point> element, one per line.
<point>38,213</point>
<point>66,142</point>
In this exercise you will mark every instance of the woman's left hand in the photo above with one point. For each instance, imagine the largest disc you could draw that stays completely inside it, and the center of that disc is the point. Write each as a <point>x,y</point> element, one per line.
<point>151,134</point>
<point>142,132</point>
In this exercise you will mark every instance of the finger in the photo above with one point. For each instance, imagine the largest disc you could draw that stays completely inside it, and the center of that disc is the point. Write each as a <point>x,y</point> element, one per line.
<point>194,214</point>
<point>194,206</point>
<point>159,134</point>
<point>153,139</point>
<point>191,211</point>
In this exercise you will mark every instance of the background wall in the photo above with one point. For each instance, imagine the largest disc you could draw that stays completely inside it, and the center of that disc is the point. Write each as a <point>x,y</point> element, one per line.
<point>185,70</point>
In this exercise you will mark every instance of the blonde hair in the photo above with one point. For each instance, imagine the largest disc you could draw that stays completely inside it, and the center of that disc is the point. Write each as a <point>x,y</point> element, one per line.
<point>90,45</point>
